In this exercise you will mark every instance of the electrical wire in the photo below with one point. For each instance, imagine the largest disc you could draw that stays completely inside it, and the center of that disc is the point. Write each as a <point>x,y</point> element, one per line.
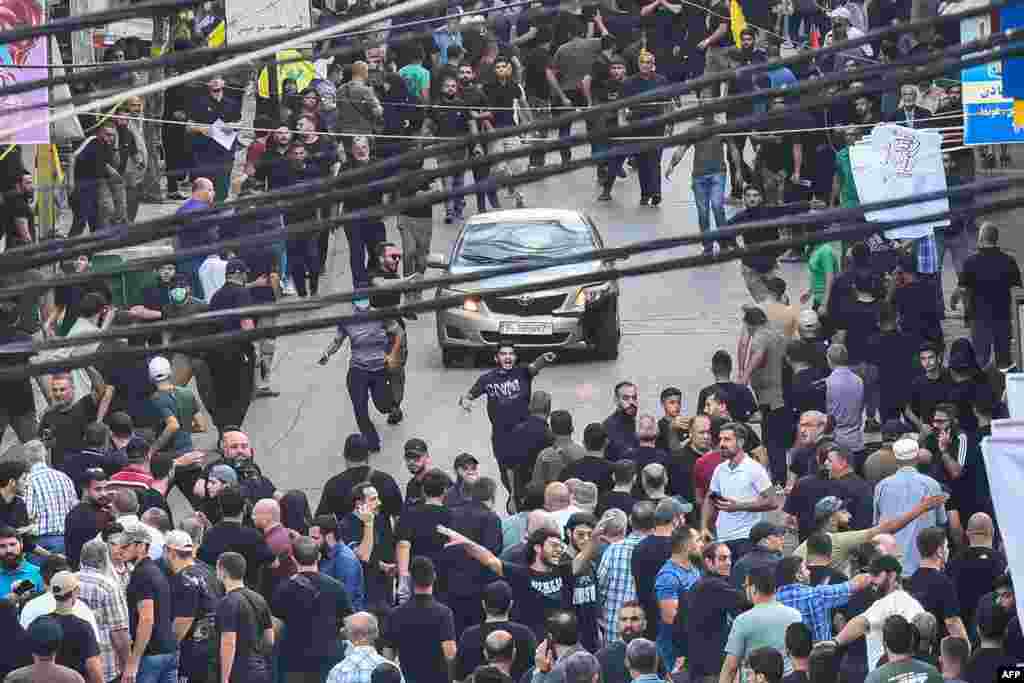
<point>205,342</point>
<point>165,227</point>
<point>813,220</point>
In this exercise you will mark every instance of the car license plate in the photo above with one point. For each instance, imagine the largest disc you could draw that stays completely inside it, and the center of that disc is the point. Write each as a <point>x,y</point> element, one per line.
<point>527,328</point>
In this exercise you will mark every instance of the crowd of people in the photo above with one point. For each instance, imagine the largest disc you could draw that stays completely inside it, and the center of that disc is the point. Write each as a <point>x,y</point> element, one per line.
<point>767,536</point>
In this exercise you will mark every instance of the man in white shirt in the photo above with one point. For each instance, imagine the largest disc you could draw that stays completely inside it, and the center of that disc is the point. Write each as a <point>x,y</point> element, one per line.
<point>212,272</point>
<point>46,603</point>
<point>740,492</point>
<point>885,575</point>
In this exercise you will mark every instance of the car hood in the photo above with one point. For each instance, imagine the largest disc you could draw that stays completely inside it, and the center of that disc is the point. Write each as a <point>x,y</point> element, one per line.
<point>512,280</point>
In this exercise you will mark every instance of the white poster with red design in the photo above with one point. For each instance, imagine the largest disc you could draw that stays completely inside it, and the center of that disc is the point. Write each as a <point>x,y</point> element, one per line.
<point>896,162</point>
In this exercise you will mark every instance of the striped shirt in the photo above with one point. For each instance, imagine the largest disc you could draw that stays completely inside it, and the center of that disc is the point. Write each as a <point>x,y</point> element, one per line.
<point>50,495</point>
<point>107,601</point>
<point>615,585</point>
<point>358,666</point>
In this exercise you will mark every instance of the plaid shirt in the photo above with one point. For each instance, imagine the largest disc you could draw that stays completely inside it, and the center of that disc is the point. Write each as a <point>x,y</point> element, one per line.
<point>615,585</point>
<point>357,666</point>
<point>927,255</point>
<point>107,602</point>
<point>814,603</point>
<point>50,495</point>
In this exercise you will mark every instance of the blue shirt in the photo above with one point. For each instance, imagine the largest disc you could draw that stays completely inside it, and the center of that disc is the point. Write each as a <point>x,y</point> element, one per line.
<point>672,581</point>
<point>814,604</point>
<point>25,570</point>
<point>342,564</point>
<point>895,496</point>
<point>443,40</point>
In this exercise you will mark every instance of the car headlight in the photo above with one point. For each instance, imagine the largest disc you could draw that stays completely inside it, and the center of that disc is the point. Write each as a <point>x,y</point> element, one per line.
<point>590,295</point>
<point>471,304</point>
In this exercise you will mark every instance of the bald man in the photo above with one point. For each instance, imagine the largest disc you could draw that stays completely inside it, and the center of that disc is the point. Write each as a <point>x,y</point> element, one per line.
<point>975,569</point>
<point>193,234</point>
<point>500,651</point>
<point>558,501</point>
<point>266,517</point>
<point>536,519</point>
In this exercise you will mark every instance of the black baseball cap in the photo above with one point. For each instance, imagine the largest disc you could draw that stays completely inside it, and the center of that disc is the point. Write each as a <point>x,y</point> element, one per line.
<point>415,448</point>
<point>885,563</point>
<point>461,460</point>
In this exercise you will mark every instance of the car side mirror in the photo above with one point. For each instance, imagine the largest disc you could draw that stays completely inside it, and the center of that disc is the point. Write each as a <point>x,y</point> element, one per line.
<point>437,260</point>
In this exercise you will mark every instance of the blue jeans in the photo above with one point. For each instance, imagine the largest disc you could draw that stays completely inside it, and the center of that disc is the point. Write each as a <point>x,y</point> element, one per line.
<point>362,386</point>
<point>158,669</point>
<point>709,193</point>
<point>611,165</point>
<point>666,647</point>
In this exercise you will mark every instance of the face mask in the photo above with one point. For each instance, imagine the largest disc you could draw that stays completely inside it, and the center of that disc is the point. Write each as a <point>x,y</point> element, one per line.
<point>178,295</point>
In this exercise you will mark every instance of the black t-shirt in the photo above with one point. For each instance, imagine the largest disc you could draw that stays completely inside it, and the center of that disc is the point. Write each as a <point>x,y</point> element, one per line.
<point>926,393</point>
<point>937,594</point>
<point>502,98</point>
<point>535,80</point>
<point>79,643</point>
<point>230,536</point>
<point>244,612</point>
<point>800,503</point>
<point>337,496</point>
<point>648,558</point>
<point>860,320</point>
<point>471,647</point>
<point>895,355</point>
<point>195,592</point>
<point>313,608</point>
<point>985,663</point>
<point>15,351</point>
<point>590,468</point>
<point>918,310</point>
<point>508,396</point>
<point>82,523</point>
<point>620,500</point>
<point>231,295</point>
<point>738,397</point>
<point>990,276</point>
<point>418,525</point>
<point>858,495</point>
<point>534,594</point>
<point>18,209</point>
<point>680,464</point>
<point>974,572</point>
<point>148,582</point>
<point>62,429</point>
<point>417,629</point>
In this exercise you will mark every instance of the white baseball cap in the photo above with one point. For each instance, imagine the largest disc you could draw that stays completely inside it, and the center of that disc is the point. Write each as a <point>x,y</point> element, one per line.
<point>159,369</point>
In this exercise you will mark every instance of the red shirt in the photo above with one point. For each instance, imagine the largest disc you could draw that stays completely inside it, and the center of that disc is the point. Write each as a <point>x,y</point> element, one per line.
<point>704,469</point>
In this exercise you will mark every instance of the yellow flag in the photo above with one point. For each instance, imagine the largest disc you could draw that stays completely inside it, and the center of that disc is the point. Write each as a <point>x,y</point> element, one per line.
<point>302,72</point>
<point>1018,113</point>
<point>216,39</point>
<point>737,21</point>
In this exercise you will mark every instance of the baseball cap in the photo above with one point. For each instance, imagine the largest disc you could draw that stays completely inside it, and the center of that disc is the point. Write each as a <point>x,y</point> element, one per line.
<point>905,449</point>
<point>63,584</point>
<point>827,505</point>
<point>895,428</point>
<point>840,13</point>
<point>180,541</point>
<point>586,494</point>
<point>357,449</point>
<point>159,369</point>
<point>135,533</point>
<point>415,448</point>
<point>754,315</point>
<point>223,474</point>
<point>809,320</point>
<point>885,563</point>
<point>45,634</point>
<point>236,265</point>
<point>464,459</point>
<point>120,423</point>
<point>763,530</point>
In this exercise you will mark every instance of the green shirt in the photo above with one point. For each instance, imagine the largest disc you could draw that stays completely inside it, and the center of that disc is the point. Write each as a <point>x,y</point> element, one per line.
<point>417,79</point>
<point>822,262</point>
<point>847,187</point>
<point>907,671</point>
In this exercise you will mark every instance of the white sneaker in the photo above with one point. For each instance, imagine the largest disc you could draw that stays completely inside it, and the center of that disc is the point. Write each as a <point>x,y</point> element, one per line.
<point>287,289</point>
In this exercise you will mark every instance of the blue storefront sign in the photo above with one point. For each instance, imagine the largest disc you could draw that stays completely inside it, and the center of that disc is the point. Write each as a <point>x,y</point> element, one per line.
<point>988,111</point>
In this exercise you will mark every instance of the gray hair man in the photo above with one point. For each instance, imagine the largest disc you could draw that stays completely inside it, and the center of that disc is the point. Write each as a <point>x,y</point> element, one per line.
<point>99,589</point>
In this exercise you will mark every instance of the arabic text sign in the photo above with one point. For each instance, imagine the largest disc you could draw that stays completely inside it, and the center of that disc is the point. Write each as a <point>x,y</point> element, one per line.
<point>250,19</point>
<point>15,60</point>
<point>988,113</point>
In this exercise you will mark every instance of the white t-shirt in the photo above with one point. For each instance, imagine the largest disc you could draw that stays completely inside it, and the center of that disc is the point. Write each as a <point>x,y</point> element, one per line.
<point>742,483</point>
<point>898,602</point>
<point>212,275</point>
<point>46,604</point>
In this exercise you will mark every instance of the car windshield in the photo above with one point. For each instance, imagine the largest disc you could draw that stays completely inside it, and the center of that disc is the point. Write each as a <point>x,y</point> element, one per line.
<point>503,243</point>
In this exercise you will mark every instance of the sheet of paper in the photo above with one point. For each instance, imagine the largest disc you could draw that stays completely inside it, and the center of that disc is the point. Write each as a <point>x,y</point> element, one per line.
<point>223,134</point>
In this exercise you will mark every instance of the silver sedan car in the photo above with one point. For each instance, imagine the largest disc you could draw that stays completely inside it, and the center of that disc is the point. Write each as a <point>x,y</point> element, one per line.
<point>562,317</point>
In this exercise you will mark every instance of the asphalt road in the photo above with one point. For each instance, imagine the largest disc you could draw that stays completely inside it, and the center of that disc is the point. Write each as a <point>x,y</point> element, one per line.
<point>672,324</point>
